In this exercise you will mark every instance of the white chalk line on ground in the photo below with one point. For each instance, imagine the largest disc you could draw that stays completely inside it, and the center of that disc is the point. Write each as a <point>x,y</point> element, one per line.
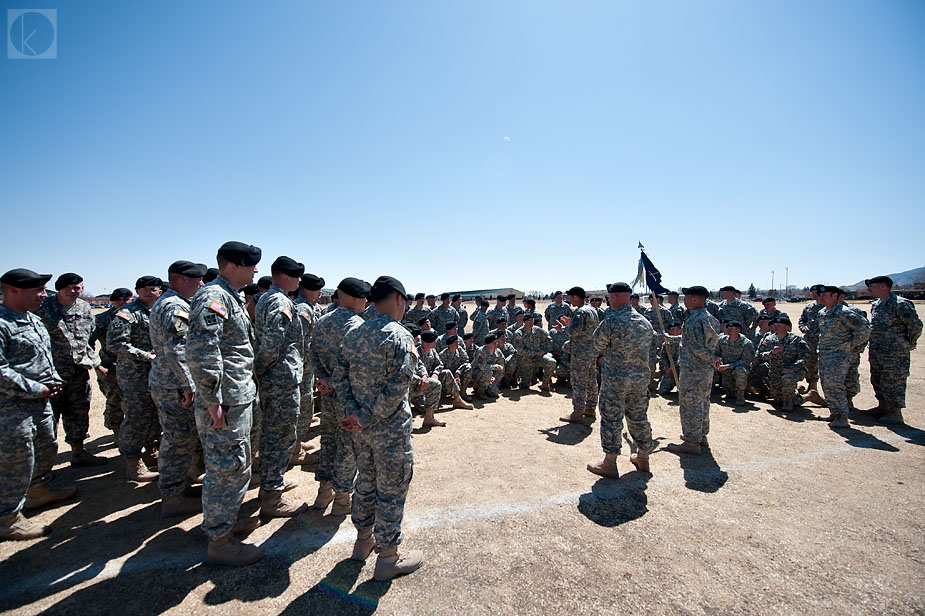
<point>313,540</point>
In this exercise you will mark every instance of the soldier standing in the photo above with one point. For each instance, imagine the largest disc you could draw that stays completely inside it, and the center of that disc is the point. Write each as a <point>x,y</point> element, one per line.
<point>734,309</point>
<point>462,312</point>
<point>27,380</point>
<point>672,347</point>
<point>309,311</point>
<point>770,309</point>
<point>172,386</point>
<point>895,330</point>
<point>106,373</point>
<point>583,369</point>
<point>842,332</point>
<point>418,312</point>
<point>809,325</point>
<point>557,308</point>
<point>697,363</point>
<point>373,376</point>
<point>480,324</point>
<point>70,325</point>
<point>677,310</point>
<point>220,356</point>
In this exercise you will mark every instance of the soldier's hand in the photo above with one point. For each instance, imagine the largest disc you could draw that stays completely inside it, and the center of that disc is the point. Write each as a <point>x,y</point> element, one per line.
<point>351,424</point>
<point>217,413</point>
<point>566,321</point>
<point>186,398</point>
<point>50,392</point>
<point>102,371</point>
<point>717,364</point>
<point>151,358</point>
<point>723,367</point>
<point>424,384</point>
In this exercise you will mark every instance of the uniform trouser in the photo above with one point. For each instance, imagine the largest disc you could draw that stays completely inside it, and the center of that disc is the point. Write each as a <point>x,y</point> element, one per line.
<point>889,369</point>
<point>666,383</point>
<point>279,405</point>
<point>179,441</point>
<point>625,396</point>
<point>833,368</point>
<point>337,459</point>
<point>27,449</point>
<point>694,402</point>
<point>512,368</point>
<point>546,363</point>
<point>306,405</point>
<point>72,407</point>
<point>812,366</point>
<point>140,425</point>
<point>653,369</point>
<point>226,452</point>
<point>735,380</point>
<point>112,414</point>
<point>448,385</point>
<point>786,384</point>
<point>465,376</point>
<point>584,382</point>
<point>482,380</point>
<point>853,378</point>
<point>430,397</point>
<point>563,371</point>
<point>385,464</point>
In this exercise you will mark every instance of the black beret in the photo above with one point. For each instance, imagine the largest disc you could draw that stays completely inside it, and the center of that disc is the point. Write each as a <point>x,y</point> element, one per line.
<point>765,316</point>
<point>511,296</point>
<point>431,296</point>
<point>24,279</point>
<point>491,338</point>
<point>456,297</point>
<point>596,299</point>
<point>484,303</point>
<point>468,336</point>
<point>444,296</point>
<point>409,297</point>
<point>530,302</point>
<point>724,321</point>
<point>240,253</point>
<point>451,339</point>
<point>782,319</point>
<point>354,287</point>
<point>65,280</point>
<point>577,291</point>
<point>265,282</point>
<point>120,293</point>
<point>841,291</point>
<point>501,320</point>
<point>696,291</point>
<point>334,294</point>
<point>734,323</point>
<point>675,293</point>
<point>414,329</point>
<point>451,325</point>
<point>188,269</point>
<point>210,275</point>
<point>671,324</point>
<point>619,287</point>
<point>429,336</point>
<point>768,299</point>
<point>729,287</point>
<point>817,288</point>
<point>250,289</point>
<point>287,265</point>
<point>879,280</point>
<point>385,286</point>
<point>418,296</point>
<point>634,296</point>
<point>830,289</point>
<point>148,281</point>
<point>557,294</point>
<point>310,282</point>
<point>529,315</point>
<point>423,320</point>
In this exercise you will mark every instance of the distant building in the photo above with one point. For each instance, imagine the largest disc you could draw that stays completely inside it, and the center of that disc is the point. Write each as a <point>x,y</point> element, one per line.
<point>489,293</point>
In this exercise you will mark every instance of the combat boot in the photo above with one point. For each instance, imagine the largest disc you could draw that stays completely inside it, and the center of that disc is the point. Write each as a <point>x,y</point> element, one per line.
<point>302,455</point>
<point>893,415</point>
<point>228,551</point>
<point>837,420</point>
<point>607,468</point>
<point>18,528</point>
<point>135,470</point>
<point>575,417</point>
<point>590,413</point>
<point>341,504</point>
<point>430,420</point>
<point>684,447</point>
<point>245,525</point>
<point>390,563</point>
<point>546,385</point>
<point>40,495</point>
<point>180,505</point>
<point>275,505</point>
<point>80,457</point>
<point>459,403</point>
<point>364,544</point>
<point>324,497</point>
<point>814,397</point>
<point>640,460</point>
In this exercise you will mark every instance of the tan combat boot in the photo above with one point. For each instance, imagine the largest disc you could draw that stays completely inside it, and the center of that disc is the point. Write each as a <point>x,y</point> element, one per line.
<point>607,468</point>
<point>575,417</point>
<point>640,460</point>
<point>302,455</point>
<point>590,413</point>
<point>364,544</point>
<point>17,528</point>
<point>40,495</point>
<point>324,497</point>
<point>837,420</point>
<point>245,525</point>
<point>180,505</point>
<point>80,457</point>
<point>893,415</point>
<point>430,420</point>
<point>341,504</point>
<point>135,470</point>
<point>459,403</point>
<point>275,505</point>
<point>228,551</point>
<point>390,563</point>
<point>684,447</point>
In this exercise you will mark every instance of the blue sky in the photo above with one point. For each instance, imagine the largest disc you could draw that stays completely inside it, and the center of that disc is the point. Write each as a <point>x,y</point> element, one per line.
<point>471,144</point>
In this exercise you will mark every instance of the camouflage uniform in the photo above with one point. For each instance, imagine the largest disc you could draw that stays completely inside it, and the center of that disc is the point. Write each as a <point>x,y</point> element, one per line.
<point>220,356</point>
<point>534,355</point>
<point>650,314</point>
<point>511,357</point>
<point>493,315</point>
<point>511,312</point>
<point>27,439</point>
<point>463,319</point>
<point>168,380</point>
<point>564,371</point>
<point>443,315</point>
<point>447,378</point>
<point>70,330</point>
<point>760,375</point>
<point>129,336</point>
<point>425,390</point>
<point>583,370</point>
<point>458,363</point>
<point>373,376</point>
<point>769,314</point>
<point>699,338</point>
<point>487,364</point>
<point>368,312</point>
<point>842,333</point>
<point>809,325</point>
<point>853,377</point>
<point>112,414</point>
<point>479,327</point>
<point>737,310</point>
<point>712,307</point>
<point>416,314</point>
<point>672,346</point>
<point>554,311</point>
<point>678,312</point>
<point>337,461</point>
<point>793,358</point>
<point>623,340</point>
<point>896,328</point>
<point>740,354</point>
<point>655,349</point>
<point>278,368</point>
<point>309,313</point>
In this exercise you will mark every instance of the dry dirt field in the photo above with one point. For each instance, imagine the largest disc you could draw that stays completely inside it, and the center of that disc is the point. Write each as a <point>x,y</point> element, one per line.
<point>784,516</point>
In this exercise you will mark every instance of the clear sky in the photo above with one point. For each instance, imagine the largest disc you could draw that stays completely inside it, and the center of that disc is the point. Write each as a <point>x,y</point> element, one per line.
<point>466,144</point>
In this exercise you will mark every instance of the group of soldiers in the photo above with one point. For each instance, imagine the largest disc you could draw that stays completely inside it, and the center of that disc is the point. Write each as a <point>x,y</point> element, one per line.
<point>209,372</point>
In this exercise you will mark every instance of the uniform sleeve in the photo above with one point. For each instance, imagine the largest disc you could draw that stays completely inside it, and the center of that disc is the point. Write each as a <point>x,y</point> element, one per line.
<point>272,337</point>
<point>601,339</point>
<point>705,340</point>
<point>861,332</point>
<point>119,336</point>
<point>803,323</point>
<point>748,355</point>
<point>910,318</point>
<point>176,329</point>
<point>802,349</point>
<point>12,382</point>
<point>203,353</point>
<point>397,382</point>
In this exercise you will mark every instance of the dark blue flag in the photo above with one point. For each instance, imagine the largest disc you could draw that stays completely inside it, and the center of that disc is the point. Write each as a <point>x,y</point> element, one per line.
<point>653,276</point>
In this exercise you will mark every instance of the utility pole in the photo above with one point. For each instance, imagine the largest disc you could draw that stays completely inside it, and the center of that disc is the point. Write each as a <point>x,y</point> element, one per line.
<point>772,281</point>
<point>787,280</point>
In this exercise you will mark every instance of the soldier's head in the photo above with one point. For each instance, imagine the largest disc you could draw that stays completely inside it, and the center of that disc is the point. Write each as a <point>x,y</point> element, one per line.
<point>842,296</point>
<point>576,296</point>
<point>185,277</point>
<point>286,273</point>
<point>659,299</point>
<point>674,328</point>
<point>237,262</point>
<point>733,329</point>
<point>120,297</point>
<point>483,305</point>
<point>389,296</point>
<point>781,326</point>
<point>211,274</point>
<point>501,335</point>
<point>452,343</point>
<point>728,293</point>
<point>769,303</point>
<point>424,324</point>
<point>310,287</point>
<point>672,297</point>
<point>764,323</point>
<point>419,300</point>
<point>519,318</point>
<point>414,330</point>
<point>445,300</point>
<point>353,293</point>
<point>880,286</point>
<point>634,300</point>
<point>815,291</point>
<point>409,300</point>
<point>557,297</point>
<point>468,339</point>
<point>491,341</point>
<point>148,289</point>
<point>501,323</point>
<point>618,294</point>
<point>596,302</point>
<point>695,297</point>
<point>428,340</point>
<point>829,296</point>
<point>265,282</point>
<point>431,300</point>
<point>501,299</point>
<point>724,325</point>
<point>512,300</point>
<point>335,298</point>
<point>530,304</point>
<point>528,319</point>
<point>452,328</point>
<point>69,287</point>
<point>457,301</point>
<point>23,290</point>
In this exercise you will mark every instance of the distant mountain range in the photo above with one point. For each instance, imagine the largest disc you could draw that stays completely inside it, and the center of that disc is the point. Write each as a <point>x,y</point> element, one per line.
<point>903,278</point>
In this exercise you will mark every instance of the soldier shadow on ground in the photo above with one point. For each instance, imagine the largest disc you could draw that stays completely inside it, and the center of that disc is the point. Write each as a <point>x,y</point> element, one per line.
<point>799,414</point>
<point>702,473</point>
<point>913,435</point>
<point>568,433</point>
<point>517,393</point>
<point>612,502</point>
<point>862,440</point>
<point>332,594</point>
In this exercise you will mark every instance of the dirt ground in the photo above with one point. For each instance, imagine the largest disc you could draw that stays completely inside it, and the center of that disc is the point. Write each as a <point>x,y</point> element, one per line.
<point>784,515</point>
